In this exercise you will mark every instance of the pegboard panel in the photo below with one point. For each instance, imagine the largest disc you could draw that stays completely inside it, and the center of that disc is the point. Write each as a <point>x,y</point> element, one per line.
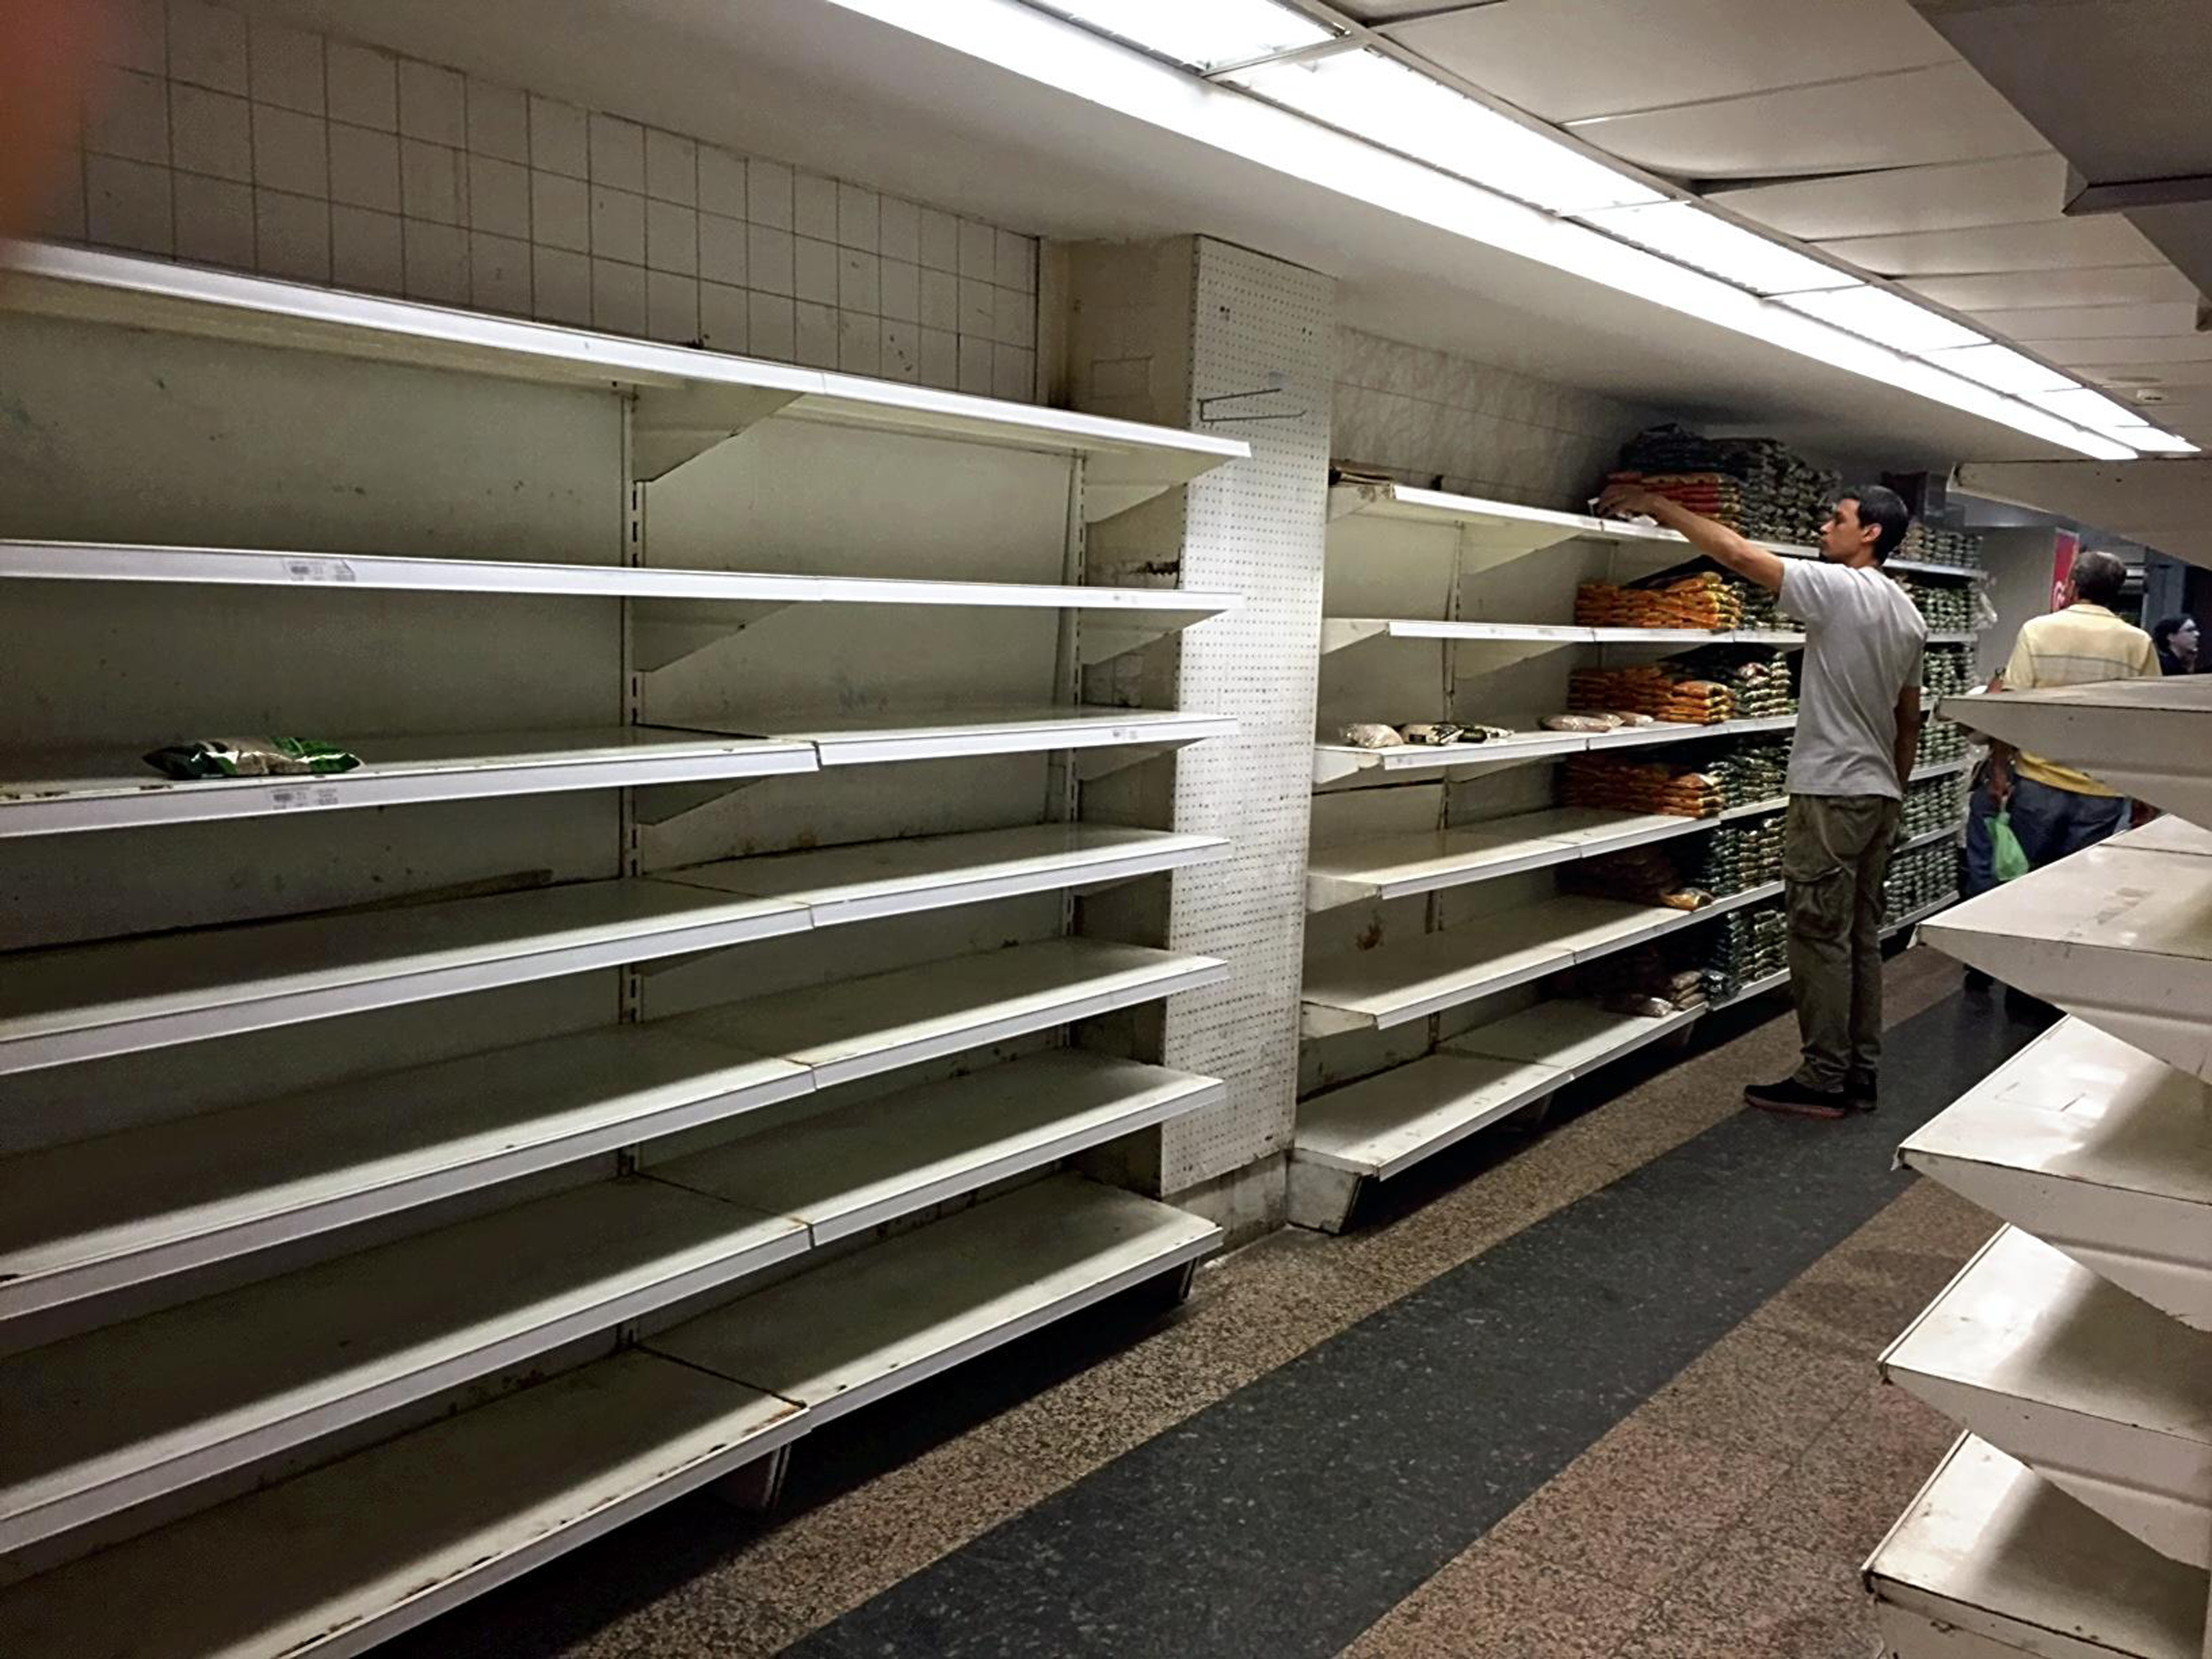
<point>1255,528</point>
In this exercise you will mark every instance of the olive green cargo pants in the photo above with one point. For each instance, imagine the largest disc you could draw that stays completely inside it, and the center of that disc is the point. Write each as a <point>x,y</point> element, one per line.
<point>1835,852</point>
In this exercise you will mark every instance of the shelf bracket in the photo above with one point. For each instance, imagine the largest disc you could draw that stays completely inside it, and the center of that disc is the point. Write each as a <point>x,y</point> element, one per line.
<point>680,424</point>
<point>1092,765</point>
<point>1098,641</point>
<point>664,632</point>
<point>657,805</point>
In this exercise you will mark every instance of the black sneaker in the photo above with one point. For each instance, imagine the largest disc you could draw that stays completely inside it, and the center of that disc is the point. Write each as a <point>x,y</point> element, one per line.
<point>1977,980</point>
<point>1793,1097</point>
<point>1863,1091</point>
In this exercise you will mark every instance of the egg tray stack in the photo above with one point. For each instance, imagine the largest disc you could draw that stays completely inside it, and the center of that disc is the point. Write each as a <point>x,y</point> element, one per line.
<point>1756,769</point>
<point>1919,878</point>
<point>1615,783</point>
<point>1945,671</point>
<point>1941,740</point>
<point>1760,680</point>
<point>1700,599</point>
<point>1657,689</point>
<point>1948,608</point>
<point>1740,855</point>
<point>1643,980</point>
<point>1930,805</point>
<point>1742,946</point>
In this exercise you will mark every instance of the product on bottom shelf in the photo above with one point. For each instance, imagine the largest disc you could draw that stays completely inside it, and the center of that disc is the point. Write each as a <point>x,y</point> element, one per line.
<point>1755,770</point>
<point>1919,878</point>
<point>1640,981</point>
<point>1760,681</point>
<point>1700,599</point>
<point>1741,855</point>
<point>1654,689</point>
<point>1638,875</point>
<point>1615,783</point>
<point>251,757</point>
<point>1742,947</point>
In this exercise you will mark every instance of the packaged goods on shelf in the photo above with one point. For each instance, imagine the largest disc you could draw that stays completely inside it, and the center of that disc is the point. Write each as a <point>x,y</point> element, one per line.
<point>1755,770</point>
<point>1665,693</point>
<point>1760,681</point>
<point>1932,804</point>
<point>1375,734</point>
<point>1700,599</point>
<point>1759,486</point>
<point>1928,543</point>
<point>1742,947</point>
<point>1945,671</point>
<point>1615,783</point>
<point>1762,606</point>
<point>1644,980</point>
<point>1638,875</point>
<point>1736,856</point>
<point>1947,607</point>
<point>1919,878</point>
<point>1940,741</point>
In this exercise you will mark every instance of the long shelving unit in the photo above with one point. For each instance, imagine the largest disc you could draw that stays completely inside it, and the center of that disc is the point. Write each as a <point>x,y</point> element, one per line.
<point>2077,1514</point>
<point>580,1073</point>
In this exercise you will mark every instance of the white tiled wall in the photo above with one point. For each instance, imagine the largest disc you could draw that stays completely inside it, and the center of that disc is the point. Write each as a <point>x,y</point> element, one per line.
<point>1482,430</point>
<point>271,150</point>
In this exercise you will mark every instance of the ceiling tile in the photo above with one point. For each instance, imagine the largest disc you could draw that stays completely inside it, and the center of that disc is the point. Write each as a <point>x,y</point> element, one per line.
<point>2053,245</point>
<point>1951,196</point>
<point>1945,113</point>
<point>2115,285</point>
<point>2150,350</point>
<point>2187,372</point>
<point>2093,322</point>
<point>1565,59</point>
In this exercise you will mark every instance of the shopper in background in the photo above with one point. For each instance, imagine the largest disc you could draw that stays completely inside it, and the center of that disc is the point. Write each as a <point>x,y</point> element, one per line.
<point>2055,809</point>
<point>1858,725</point>
<point>2175,639</point>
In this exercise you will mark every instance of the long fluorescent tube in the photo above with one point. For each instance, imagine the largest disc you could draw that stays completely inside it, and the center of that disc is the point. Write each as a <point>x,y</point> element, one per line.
<point>1203,34</point>
<point>1886,317</point>
<point>2001,368</point>
<point>1022,39</point>
<point>2091,408</point>
<point>2152,441</point>
<point>1710,243</point>
<point>1379,99</point>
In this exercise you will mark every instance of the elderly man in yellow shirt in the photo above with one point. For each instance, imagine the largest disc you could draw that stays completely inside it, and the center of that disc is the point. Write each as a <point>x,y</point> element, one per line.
<point>2055,809</point>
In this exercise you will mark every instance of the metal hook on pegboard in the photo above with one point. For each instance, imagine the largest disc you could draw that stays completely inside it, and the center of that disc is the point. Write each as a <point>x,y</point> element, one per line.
<point>1206,406</point>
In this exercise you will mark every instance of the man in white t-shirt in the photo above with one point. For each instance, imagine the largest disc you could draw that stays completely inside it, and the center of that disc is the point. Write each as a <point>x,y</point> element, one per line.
<point>1858,725</point>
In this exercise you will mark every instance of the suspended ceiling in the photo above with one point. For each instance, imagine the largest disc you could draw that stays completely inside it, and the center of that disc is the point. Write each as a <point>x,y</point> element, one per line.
<point>1910,155</point>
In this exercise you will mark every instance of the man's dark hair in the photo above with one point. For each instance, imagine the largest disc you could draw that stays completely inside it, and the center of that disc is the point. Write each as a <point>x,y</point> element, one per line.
<point>1883,509</point>
<point>2098,577</point>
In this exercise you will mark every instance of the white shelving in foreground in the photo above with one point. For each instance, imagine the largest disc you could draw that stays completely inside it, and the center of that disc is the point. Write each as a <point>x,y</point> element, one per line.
<point>870,740</point>
<point>846,1335</point>
<point>1374,990</point>
<point>2142,738</point>
<point>333,1561</point>
<point>686,400</point>
<point>1991,1561</point>
<point>348,1555</point>
<point>1572,1038</point>
<point>1399,866</point>
<point>1341,633</point>
<point>2100,1394</point>
<point>2115,934</point>
<point>1506,527</point>
<point>136,1411</point>
<point>53,793</point>
<point>1335,761</point>
<point>859,1167</point>
<point>2095,1148</point>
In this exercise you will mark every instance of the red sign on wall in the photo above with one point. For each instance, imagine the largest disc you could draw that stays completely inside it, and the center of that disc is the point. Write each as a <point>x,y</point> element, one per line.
<point>2065,545</point>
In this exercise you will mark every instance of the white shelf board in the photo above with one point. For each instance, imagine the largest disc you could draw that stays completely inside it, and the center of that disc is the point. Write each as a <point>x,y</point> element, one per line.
<point>1953,637</point>
<point>2148,739</point>
<point>1753,987</point>
<point>114,561</point>
<point>687,399</point>
<point>857,1027</point>
<point>1990,1561</point>
<point>134,1411</point>
<point>1938,770</point>
<point>1925,567</point>
<point>83,1002</point>
<point>92,1217</point>
<point>2096,1148</point>
<point>1333,761</point>
<point>847,1170</point>
<point>1572,1037</point>
<point>1374,990</point>
<point>1337,633</point>
<point>870,880</point>
<point>2100,1394</point>
<point>1929,837</point>
<point>2118,934</point>
<point>869,1324</point>
<point>54,793</point>
<point>869,739</point>
<point>1398,867</point>
<point>1756,809</point>
<point>2168,833</point>
<point>338,1560</point>
<point>1385,1124</point>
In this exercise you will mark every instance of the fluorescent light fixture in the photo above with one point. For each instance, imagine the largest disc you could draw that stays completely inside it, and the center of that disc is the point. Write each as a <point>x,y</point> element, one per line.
<point>2002,369</point>
<point>2091,408</point>
<point>1203,34</point>
<point>2152,441</point>
<point>1683,231</point>
<point>1380,100</point>
<point>1890,319</point>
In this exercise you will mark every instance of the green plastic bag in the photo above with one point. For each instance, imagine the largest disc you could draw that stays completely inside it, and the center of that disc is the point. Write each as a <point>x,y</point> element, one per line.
<point>2007,859</point>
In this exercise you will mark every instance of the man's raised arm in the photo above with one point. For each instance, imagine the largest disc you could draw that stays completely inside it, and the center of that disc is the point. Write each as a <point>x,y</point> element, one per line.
<point>1716,541</point>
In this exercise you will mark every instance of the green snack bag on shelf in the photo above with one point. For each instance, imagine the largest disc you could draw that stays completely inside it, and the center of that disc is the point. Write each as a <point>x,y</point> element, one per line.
<point>2007,859</point>
<point>251,757</point>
